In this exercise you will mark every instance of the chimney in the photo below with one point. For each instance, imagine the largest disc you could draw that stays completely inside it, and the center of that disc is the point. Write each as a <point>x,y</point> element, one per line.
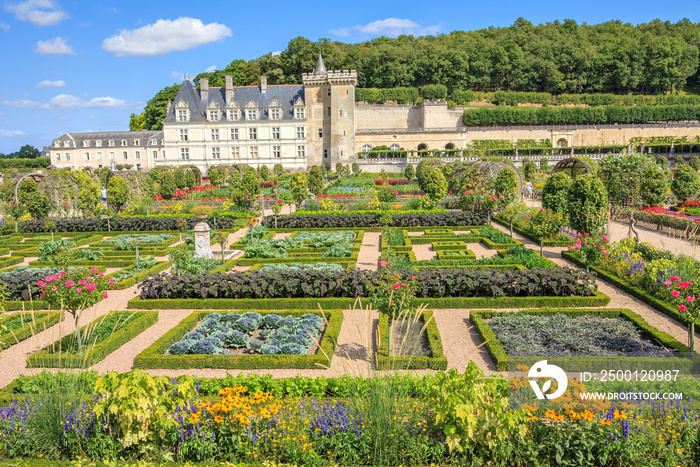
<point>229,88</point>
<point>263,84</point>
<point>169,105</point>
<point>204,88</point>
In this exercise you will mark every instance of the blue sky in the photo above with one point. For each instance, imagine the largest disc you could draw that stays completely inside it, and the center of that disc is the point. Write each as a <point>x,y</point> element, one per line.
<point>86,66</point>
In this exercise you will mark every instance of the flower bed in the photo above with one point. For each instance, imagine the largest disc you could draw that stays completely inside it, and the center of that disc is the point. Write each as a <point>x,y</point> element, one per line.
<point>102,337</point>
<point>510,349</point>
<point>666,212</point>
<point>17,327</point>
<point>164,352</point>
<point>126,224</point>
<point>373,220</point>
<point>385,359</point>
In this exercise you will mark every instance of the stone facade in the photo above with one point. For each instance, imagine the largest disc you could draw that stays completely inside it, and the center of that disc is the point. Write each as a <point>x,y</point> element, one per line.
<point>140,149</point>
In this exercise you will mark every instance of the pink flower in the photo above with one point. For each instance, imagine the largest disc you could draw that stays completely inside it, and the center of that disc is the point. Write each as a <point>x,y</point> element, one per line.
<point>602,247</point>
<point>667,283</point>
<point>382,264</point>
<point>690,299</point>
<point>527,216</point>
<point>541,209</point>
<point>53,289</point>
<point>682,308</point>
<point>675,294</point>
<point>111,281</point>
<point>40,283</point>
<point>585,235</point>
<point>675,278</point>
<point>104,295</point>
<point>81,282</point>
<point>78,290</point>
<point>90,287</point>
<point>397,286</point>
<point>413,277</point>
<point>43,294</point>
<point>94,270</point>
<point>69,284</point>
<point>101,275</point>
<point>685,285</point>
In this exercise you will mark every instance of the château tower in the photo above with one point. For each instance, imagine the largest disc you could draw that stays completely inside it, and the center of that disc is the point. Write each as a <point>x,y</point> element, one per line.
<point>330,115</point>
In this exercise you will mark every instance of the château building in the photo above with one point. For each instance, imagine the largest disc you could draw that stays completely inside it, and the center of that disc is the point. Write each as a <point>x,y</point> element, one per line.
<point>315,122</point>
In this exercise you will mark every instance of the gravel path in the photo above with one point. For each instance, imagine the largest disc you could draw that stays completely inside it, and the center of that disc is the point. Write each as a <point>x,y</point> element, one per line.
<point>368,256</point>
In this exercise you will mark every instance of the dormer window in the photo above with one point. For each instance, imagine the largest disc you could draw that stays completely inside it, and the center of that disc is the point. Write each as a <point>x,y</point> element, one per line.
<point>111,142</point>
<point>275,114</point>
<point>183,115</point>
<point>98,143</point>
<point>86,144</point>
<point>299,113</point>
<point>66,144</point>
<point>234,115</point>
<point>154,142</point>
<point>137,142</point>
<point>213,115</point>
<point>251,114</point>
<point>124,142</point>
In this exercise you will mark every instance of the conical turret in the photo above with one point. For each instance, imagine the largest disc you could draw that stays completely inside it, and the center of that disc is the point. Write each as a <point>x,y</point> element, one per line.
<point>320,67</point>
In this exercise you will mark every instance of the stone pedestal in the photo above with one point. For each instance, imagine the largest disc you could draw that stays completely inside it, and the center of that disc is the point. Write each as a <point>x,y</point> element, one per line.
<point>202,243</point>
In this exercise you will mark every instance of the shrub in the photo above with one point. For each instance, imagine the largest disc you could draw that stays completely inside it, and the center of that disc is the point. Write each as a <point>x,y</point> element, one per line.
<point>355,168</point>
<point>695,163</point>
<point>530,170</point>
<point>662,161</point>
<point>435,185</point>
<point>555,192</point>
<point>409,172</point>
<point>654,185</point>
<point>315,181</point>
<point>506,185</point>
<point>298,185</point>
<point>167,186</point>
<point>215,177</point>
<point>622,175</point>
<point>342,220</point>
<point>434,92</point>
<point>34,201</point>
<point>264,172</point>
<point>686,182</point>
<point>461,97</point>
<point>278,170</point>
<point>587,204</point>
<point>544,164</point>
<point>117,192</point>
<point>425,167</point>
<point>679,161</point>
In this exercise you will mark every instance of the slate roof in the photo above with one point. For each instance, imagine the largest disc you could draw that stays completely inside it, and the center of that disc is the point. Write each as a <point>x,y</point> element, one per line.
<point>242,95</point>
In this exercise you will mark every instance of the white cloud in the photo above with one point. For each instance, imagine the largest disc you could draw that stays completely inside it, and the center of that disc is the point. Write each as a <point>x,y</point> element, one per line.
<point>20,104</point>
<point>165,36</point>
<point>210,69</point>
<point>56,46</point>
<point>4,26</point>
<point>388,27</point>
<point>51,84</point>
<point>70,102</point>
<point>39,12</point>
<point>274,54</point>
<point>10,133</point>
<point>178,76</point>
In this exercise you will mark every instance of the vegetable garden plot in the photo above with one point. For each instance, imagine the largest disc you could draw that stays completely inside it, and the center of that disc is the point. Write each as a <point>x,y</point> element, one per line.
<point>246,340</point>
<point>17,327</point>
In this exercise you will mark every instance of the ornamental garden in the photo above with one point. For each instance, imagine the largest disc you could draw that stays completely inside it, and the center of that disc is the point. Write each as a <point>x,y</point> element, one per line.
<point>343,318</point>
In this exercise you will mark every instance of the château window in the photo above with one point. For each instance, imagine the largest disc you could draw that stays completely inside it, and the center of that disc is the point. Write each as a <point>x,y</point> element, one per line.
<point>124,143</point>
<point>394,147</point>
<point>320,133</point>
<point>184,135</point>
<point>233,115</point>
<point>99,156</point>
<point>182,115</point>
<point>329,111</point>
<point>111,155</point>
<point>155,154</point>
<point>125,155</point>
<point>234,133</point>
<point>366,148</point>
<point>254,152</point>
<point>252,115</point>
<point>138,154</point>
<point>87,156</point>
<point>215,134</point>
<point>325,153</point>
<point>67,156</point>
<point>300,132</point>
<point>274,114</point>
<point>213,115</point>
<point>111,142</point>
<point>98,143</point>
<point>252,133</point>
<point>276,151</point>
<point>137,142</point>
<point>86,144</point>
<point>215,153</point>
<point>58,156</point>
<point>299,113</point>
<point>275,133</point>
<point>235,153</point>
<point>300,151</point>
<point>185,154</point>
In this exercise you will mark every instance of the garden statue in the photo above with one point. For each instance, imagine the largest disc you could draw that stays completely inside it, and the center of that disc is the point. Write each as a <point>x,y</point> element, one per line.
<point>202,242</point>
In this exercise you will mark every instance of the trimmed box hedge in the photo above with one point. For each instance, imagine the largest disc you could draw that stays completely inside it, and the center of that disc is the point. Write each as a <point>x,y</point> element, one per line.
<point>596,299</point>
<point>154,357</point>
<point>115,263</point>
<point>11,261</point>
<point>126,283</point>
<point>35,323</point>
<point>436,360</point>
<point>140,321</point>
<point>333,221</point>
<point>625,286</point>
<point>531,236</point>
<point>125,224</point>
<point>16,305</point>
<point>584,363</point>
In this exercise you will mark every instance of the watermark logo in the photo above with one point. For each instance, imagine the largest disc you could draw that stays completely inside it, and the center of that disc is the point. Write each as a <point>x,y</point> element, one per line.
<point>542,370</point>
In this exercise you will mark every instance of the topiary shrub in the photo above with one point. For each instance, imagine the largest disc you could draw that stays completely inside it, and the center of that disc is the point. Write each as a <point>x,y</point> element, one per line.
<point>117,192</point>
<point>555,192</point>
<point>506,184</point>
<point>587,204</point>
<point>278,170</point>
<point>695,163</point>
<point>654,186</point>
<point>424,168</point>
<point>409,172</point>
<point>435,186</point>
<point>686,183</point>
<point>679,161</point>
<point>434,92</point>
<point>529,170</point>
<point>544,164</point>
<point>662,161</point>
<point>167,187</point>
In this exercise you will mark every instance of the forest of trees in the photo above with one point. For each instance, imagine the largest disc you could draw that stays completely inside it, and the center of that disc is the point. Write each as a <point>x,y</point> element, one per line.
<point>557,57</point>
